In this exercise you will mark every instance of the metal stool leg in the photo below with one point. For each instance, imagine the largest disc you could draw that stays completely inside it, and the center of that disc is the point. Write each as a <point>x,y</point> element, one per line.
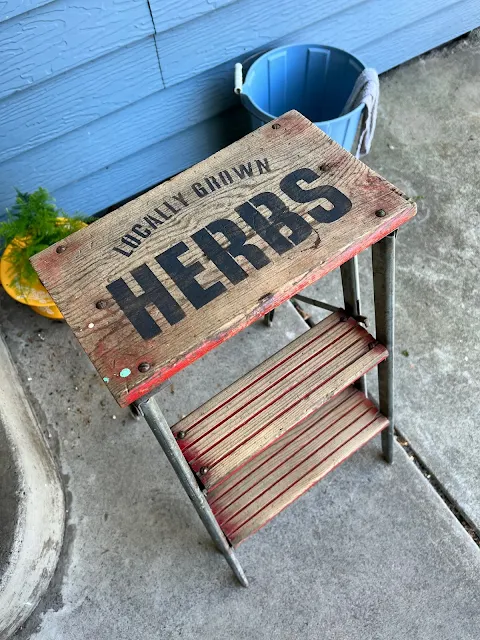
<point>351,298</point>
<point>383,262</point>
<point>157,423</point>
<point>268,318</point>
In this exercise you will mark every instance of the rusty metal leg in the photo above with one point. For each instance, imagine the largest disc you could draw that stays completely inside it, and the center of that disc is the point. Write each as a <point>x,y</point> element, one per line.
<point>351,298</point>
<point>156,421</point>
<point>383,262</point>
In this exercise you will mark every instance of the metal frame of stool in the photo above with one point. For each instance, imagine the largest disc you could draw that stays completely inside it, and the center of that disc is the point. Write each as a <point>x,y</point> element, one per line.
<point>383,264</point>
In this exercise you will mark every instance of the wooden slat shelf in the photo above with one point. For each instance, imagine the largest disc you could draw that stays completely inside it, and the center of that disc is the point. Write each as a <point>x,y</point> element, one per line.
<point>253,495</point>
<point>231,428</point>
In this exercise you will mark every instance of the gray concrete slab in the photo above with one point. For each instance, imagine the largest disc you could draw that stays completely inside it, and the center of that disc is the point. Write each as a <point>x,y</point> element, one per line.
<point>32,509</point>
<point>9,499</point>
<point>428,143</point>
<point>370,552</point>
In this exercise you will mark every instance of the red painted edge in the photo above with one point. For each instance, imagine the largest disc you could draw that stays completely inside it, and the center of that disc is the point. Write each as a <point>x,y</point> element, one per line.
<point>383,424</point>
<point>382,354</point>
<point>390,225</point>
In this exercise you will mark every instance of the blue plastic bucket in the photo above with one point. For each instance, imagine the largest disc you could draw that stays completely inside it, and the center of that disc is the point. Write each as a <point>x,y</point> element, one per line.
<point>313,79</point>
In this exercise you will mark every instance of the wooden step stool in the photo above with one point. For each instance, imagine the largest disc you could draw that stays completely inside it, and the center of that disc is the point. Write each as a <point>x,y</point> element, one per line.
<point>153,286</point>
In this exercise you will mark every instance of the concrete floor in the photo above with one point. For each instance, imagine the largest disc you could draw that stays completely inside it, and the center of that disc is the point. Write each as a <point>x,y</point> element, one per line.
<point>372,551</point>
<point>428,143</point>
<point>9,487</point>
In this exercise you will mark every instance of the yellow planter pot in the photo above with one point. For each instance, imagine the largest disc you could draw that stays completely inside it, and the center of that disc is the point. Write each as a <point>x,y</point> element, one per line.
<point>35,296</point>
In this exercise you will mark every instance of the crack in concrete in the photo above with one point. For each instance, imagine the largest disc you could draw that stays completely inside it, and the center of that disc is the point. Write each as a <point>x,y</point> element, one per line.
<point>428,474</point>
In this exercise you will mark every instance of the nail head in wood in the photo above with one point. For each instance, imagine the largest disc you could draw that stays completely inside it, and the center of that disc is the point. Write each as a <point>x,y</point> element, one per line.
<point>276,126</point>
<point>101,304</point>
<point>380,213</point>
<point>203,471</point>
<point>61,248</point>
<point>181,435</point>
<point>143,367</point>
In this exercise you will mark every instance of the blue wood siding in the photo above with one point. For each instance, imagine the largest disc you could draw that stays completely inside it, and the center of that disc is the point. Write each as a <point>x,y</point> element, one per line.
<point>101,99</point>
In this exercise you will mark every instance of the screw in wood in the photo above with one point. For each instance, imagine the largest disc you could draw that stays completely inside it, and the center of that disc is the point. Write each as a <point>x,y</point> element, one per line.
<point>381,213</point>
<point>60,249</point>
<point>203,471</point>
<point>143,367</point>
<point>276,126</point>
<point>101,304</point>
<point>181,435</point>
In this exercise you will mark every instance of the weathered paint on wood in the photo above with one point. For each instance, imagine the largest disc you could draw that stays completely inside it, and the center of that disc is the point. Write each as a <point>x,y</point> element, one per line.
<point>326,213</point>
<point>269,401</point>
<point>270,481</point>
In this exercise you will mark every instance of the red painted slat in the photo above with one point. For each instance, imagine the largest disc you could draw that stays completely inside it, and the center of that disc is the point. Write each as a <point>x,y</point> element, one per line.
<point>263,487</point>
<point>264,405</point>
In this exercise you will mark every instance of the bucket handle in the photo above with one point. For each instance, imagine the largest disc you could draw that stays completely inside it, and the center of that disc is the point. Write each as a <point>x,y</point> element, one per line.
<point>238,79</point>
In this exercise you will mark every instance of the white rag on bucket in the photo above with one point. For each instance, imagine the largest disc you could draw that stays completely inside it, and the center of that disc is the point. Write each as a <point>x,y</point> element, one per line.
<point>366,91</point>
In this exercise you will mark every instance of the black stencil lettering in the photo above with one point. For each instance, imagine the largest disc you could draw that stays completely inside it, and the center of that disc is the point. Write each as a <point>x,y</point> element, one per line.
<point>123,252</point>
<point>213,183</point>
<point>280,217</point>
<point>263,167</point>
<point>223,257</point>
<point>152,221</point>
<point>134,306</point>
<point>180,199</point>
<point>184,276</point>
<point>225,177</point>
<point>161,213</point>
<point>141,231</point>
<point>131,241</point>
<point>171,207</point>
<point>199,189</point>
<point>341,204</point>
<point>243,171</point>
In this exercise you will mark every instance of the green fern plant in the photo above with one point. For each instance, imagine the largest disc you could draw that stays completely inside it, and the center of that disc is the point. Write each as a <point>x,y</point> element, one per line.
<point>33,225</point>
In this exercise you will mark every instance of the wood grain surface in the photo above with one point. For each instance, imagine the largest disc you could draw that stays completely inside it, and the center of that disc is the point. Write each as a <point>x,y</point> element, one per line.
<point>265,404</point>
<point>172,274</point>
<point>268,483</point>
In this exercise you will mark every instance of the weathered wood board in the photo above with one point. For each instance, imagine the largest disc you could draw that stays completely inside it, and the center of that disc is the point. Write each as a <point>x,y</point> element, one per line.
<point>156,284</point>
<point>262,406</point>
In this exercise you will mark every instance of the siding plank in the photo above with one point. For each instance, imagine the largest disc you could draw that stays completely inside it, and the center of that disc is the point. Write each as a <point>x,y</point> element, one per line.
<point>422,35</point>
<point>233,31</point>
<point>118,135</point>
<point>151,165</point>
<point>88,149</point>
<point>350,29</point>
<point>11,8</point>
<point>68,101</point>
<point>64,34</point>
<point>138,133</point>
<point>167,14</point>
